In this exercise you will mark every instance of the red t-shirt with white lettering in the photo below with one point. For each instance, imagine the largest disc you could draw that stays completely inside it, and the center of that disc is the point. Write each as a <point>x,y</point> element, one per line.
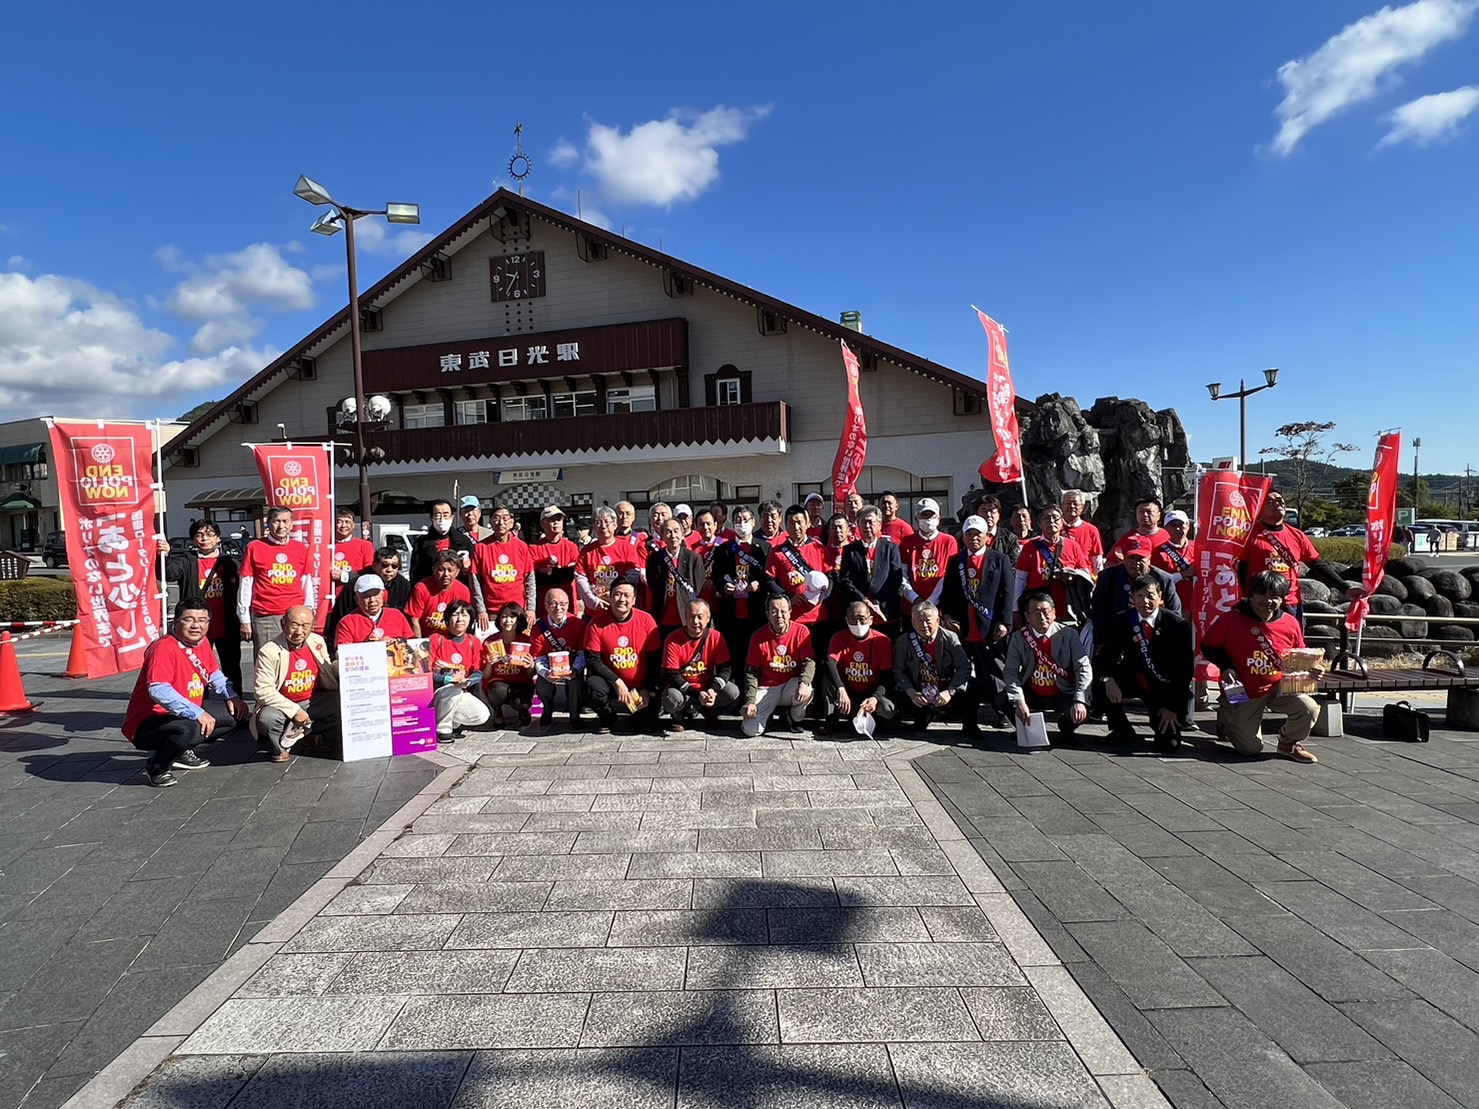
<point>925,561</point>
<point>510,662</point>
<point>695,659</point>
<point>549,557</point>
<point>167,660</point>
<point>603,567</point>
<point>1280,551</point>
<point>428,603</point>
<point>1257,658</point>
<point>1178,560</point>
<point>214,591</point>
<point>459,659</point>
<point>863,663</point>
<point>1036,559</point>
<point>779,657</point>
<point>792,579</point>
<point>359,628</point>
<point>302,675</point>
<point>501,569</point>
<point>569,636</point>
<point>278,573</point>
<point>624,647</point>
<point>353,555</point>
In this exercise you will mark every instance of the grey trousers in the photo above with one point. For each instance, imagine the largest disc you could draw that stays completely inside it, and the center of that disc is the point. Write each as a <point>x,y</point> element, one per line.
<point>674,699</point>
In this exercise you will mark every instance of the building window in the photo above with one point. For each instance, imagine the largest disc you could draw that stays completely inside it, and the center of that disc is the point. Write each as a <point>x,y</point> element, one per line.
<point>728,385</point>
<point>532,407</point>
<point>693,488</point>
<point>636,398</point>
<point>746,494</point>
<point>470,412</point>
<point>727,391</point>
<point>423,415</point>
<point>582,403</point>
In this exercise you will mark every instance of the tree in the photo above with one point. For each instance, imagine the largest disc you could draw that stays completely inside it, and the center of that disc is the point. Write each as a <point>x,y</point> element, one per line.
<point>1351,492</point>
<point>1303,444</point>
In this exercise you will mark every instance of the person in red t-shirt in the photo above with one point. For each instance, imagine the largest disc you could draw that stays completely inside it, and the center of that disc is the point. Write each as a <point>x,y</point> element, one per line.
<point>558,640</point>
<point>457,659</point>
<point>296,688</point>
<point>508,667</point>
<point>857,671</point>
<point>896,529</point>
<point>351,553</point>
<point>372,620</point>
<point>1177,556</point>
<point>706,528</point>
<point>1053,562</point>
<point>606,560</point>
<point>164,714</point>
<point>816,516</point>
<point>696,669</point>
<point>554,556</point>
<point>779,669</point>
<point>1280,548</point>
<point>926,554</point>
<point>204,571</point>
<point>1147,529</point>
<point>430,598</point>
<point>503,567</point>
<point>623,662</point>
<point>275,576</point>
<point>798,566</point>
<point>1250,642</point>
<point>1080,530</point>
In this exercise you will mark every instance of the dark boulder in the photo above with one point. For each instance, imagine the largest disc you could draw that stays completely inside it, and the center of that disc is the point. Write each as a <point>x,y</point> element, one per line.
<point>1401,567</point>
<point>1438,605</point>
<point>1413,629</point>
<point>1383,605</point>
<point>1419,588</point>
<point>1469,611</point>
<point>1324,607</point>
<point>1353,573</point>
<point>1393,587</point>
<point>1458,632</point>
<point>1451,584</point>
<point>1380,641</point>
<point>1312,590</point>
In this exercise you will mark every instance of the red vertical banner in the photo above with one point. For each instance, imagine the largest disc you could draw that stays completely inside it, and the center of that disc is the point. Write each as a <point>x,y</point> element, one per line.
<point>105,483</point>
<point>1381,515</point>
<point>300,477</point>
<point>1228,505</point>
<point>852,448</point>
<point>1005,466</point>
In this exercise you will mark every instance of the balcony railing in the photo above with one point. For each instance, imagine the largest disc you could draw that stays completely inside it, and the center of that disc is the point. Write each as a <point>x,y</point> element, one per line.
<point>678,427</point>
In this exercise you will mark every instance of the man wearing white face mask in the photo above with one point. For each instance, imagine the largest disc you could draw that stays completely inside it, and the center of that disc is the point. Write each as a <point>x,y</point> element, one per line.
<point>441,536</point>
<point>857,671</point>
<point>741,584</point>
<point>926,553</point>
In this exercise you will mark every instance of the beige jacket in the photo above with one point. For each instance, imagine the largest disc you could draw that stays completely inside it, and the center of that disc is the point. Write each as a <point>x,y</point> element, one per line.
<point>272,671</point>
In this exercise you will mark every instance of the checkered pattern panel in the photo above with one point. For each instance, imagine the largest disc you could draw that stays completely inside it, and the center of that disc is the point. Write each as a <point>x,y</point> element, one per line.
<point>525,497</point>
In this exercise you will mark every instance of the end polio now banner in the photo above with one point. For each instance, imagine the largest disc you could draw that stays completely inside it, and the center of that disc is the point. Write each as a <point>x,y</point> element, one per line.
<point>1381,515</point>
<point>1005,465</point>
<point>300,477</point>
<point>105,485</point>
<point>386,699</point>
<point>852,448</point>
<point>1228,505</point>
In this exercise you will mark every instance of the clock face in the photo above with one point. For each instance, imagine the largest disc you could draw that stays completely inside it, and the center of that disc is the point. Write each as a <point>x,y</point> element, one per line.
<point>518,276</point>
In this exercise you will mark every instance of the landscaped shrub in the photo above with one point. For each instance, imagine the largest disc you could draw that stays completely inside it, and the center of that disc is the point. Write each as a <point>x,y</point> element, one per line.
<point>1342,549</point>
<point>37,599</point>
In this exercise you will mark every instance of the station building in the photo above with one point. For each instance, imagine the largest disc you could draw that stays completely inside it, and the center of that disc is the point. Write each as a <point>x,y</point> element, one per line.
<point>532,358</point>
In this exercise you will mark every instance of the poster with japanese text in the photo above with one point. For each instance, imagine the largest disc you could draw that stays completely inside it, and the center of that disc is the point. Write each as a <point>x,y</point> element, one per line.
<point>300,477</point>
<point>1228,505</point>
<point>386,699</point>
<point>105,484</point>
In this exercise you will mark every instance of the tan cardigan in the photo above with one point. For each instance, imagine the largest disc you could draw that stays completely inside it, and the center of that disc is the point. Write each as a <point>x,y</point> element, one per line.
<point>272,671</point>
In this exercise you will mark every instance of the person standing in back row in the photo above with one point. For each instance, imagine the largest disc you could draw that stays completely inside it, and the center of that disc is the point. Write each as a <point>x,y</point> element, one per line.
<point>274,577</point>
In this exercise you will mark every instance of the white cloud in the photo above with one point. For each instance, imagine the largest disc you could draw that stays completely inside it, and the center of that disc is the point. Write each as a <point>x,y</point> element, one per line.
<point>564,155</point>
<point>1431,118</point>
<point>373,237</point>
<point>16,261</point>
<point>66,343</point>
<point>664,161</point>
<point>1357,63</point>
<point>232,284</point>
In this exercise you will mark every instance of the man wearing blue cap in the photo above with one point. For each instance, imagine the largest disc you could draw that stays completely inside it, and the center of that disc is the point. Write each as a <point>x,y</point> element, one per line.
<point>470,510</point>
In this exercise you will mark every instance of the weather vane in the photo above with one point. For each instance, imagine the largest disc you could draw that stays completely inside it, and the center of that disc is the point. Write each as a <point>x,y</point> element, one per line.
<point>519,166</point>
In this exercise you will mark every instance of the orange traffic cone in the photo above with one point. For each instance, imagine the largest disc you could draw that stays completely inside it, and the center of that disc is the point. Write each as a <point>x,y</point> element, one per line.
<point>77,656</point>
<point>12,693</point>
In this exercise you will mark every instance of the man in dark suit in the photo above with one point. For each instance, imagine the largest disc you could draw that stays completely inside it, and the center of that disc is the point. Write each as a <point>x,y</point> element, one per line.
<point>1148,653</point>
<point>1112,592</point>
<point>872,571</point>
<point>976,604</point>
<point>675,575</point>
<point>741,585</point>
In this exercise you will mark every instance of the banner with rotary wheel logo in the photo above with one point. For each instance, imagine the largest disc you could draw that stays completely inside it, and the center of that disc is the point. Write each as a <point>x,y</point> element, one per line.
<point>300,477</point>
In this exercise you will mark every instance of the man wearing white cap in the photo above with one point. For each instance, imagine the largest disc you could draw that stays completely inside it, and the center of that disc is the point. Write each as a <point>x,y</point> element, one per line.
<point>554,555</point>
<point>1177,556</point>
<point>976,604</point>
<point>371,620</point>
<point>926,554</point>
<point>684,515</point>
<point>816,512</point>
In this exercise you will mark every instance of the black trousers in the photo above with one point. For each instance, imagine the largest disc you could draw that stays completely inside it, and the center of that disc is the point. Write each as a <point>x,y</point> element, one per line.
<point>602,697</point>
<point>1114,715</point>
<point>1059,703</point>
<point>167,737</point>
<point>964,706</point>
<point>988,661</point>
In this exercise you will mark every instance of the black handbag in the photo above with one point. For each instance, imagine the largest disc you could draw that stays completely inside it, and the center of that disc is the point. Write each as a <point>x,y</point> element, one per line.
<point>1401,721</point>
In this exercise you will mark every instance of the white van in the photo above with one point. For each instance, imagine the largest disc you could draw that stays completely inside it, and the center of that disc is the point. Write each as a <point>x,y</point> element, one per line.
<point>402,537</point>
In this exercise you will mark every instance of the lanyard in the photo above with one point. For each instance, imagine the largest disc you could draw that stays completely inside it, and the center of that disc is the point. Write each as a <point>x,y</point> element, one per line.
<point>1177,557</point>
<point>1036,642</point>
<point>983,610</point>
<point>1144,641</point>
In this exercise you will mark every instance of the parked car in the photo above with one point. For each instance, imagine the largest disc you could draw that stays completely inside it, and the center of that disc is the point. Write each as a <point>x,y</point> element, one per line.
<point>1351,530</point>
<point>54,550</point>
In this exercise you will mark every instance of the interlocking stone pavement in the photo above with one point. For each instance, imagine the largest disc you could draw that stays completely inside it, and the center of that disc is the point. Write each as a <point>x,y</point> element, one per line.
<point>698,920</point>
<point>117,899</point>
<point>1258,933</point>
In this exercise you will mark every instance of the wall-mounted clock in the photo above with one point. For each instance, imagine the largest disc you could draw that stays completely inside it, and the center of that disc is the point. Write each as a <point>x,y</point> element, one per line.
<point>518,276</point>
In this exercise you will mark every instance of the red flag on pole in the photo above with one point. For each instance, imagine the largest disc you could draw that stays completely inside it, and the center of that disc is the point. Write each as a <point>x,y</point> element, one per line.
<point>1381,515</point>
<point>300,477</point>
<point>852,448</point>
<point>105,484</point>
<point>1228,505</point>
<point>1005,466</point>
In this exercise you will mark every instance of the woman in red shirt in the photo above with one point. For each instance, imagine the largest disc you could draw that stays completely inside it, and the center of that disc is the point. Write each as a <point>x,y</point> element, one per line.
<point>456,662</point>
<point>508,668</point>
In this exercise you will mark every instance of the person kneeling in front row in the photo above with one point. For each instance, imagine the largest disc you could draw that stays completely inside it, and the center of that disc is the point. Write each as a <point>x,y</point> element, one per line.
<point>695,669</point>
<point>779,669</point>
<point>933,673</point>
<point>856,674</point>
<point>457,660</point>
<point>1047,666</point>
<point>164,712</point>
<point>1147,652</point>
<point>1250,641</point>
<point>296,686</point>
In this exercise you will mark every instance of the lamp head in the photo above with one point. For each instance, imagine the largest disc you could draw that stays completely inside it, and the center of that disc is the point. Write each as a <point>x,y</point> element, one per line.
<point>402,213</point>
<point>349,407</point>
<point>311,191</point>
<point>1271,375</point>
<point>1215,388</point>
<point>329,223</point>
<point>378,407</point>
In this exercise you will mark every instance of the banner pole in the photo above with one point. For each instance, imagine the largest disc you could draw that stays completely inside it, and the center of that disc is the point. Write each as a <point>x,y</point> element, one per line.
<point>160,524</point>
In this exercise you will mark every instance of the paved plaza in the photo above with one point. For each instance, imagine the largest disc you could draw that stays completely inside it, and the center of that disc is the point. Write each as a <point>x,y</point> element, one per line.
<point>705,920</point>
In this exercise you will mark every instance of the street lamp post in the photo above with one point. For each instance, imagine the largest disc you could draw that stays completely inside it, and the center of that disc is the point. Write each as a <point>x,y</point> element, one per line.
<point>1416,444</point>
<point>1271,378</point>
<point>342,216</point>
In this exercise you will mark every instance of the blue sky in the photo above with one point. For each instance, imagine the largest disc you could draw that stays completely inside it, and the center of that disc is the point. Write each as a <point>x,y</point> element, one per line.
<point>1150,196</point>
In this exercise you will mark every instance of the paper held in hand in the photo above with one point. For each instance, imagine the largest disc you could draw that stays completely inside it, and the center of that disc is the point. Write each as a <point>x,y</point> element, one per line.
<point>1034,733</point>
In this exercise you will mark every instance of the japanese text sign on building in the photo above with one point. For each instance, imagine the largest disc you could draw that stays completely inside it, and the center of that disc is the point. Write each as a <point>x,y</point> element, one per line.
<point>537,354</point>
<point>105,479</point>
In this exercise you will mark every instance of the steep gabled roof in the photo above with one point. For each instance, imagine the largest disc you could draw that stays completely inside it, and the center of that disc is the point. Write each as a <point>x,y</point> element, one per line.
<point>455,236</point>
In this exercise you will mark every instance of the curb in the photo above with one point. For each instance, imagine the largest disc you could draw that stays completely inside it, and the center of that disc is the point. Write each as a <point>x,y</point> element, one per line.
<point>137,1061</point>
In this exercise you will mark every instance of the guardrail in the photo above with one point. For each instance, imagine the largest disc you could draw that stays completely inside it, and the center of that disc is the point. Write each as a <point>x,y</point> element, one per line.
<point>1345,636</point>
